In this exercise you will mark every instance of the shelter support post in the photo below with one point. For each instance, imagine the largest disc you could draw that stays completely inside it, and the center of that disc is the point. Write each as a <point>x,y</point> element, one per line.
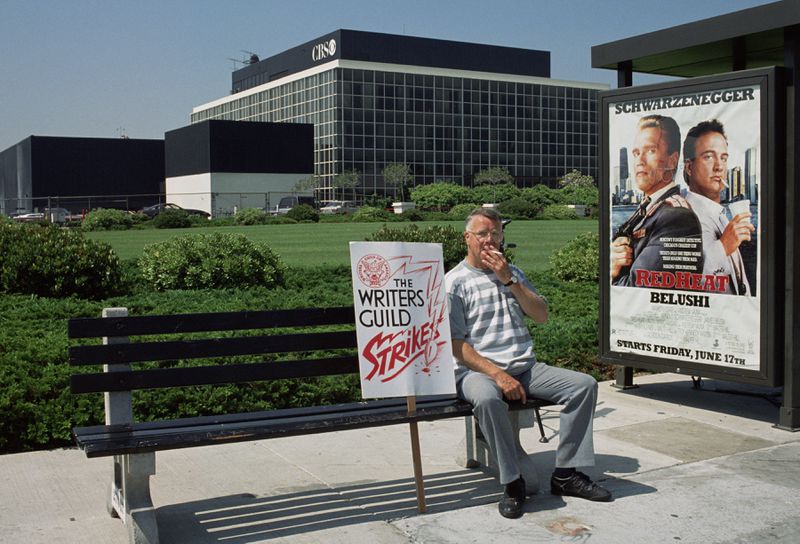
<point>624,374</point>
<point>789,417</point>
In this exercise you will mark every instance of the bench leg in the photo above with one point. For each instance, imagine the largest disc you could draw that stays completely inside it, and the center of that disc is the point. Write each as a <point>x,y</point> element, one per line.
<point>130,496</point>
<point>477,453</point>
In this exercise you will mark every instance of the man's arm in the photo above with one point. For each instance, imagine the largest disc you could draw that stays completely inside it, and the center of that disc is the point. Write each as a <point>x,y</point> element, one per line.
<point>512,389</point>
<point>534,306</point>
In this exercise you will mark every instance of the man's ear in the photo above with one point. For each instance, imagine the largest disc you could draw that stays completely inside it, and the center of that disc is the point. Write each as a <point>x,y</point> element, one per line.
<point>687,167</point>
<point>672,161</point>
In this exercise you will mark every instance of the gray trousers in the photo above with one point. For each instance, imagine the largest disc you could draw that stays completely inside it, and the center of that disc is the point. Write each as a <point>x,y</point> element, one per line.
<point>577,392</point>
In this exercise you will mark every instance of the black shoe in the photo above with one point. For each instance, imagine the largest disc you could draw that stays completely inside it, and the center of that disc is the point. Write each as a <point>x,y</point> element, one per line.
<point>510,506</point>
<point>579,485</point>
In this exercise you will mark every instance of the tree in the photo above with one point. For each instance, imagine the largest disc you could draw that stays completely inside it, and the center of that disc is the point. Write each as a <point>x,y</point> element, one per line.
<point>493,176</point>
<point>494,193</point>
<point>576,180</point>
<point>397,175</point>
<point>439,195</point>
<point>348,179</point>
<point>578,189</point>
<point>306,184</point>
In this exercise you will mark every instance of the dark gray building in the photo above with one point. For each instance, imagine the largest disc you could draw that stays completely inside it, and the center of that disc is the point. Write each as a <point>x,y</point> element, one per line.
<point>221,166</point>
<point>447,109</point>
<point>80,173</point>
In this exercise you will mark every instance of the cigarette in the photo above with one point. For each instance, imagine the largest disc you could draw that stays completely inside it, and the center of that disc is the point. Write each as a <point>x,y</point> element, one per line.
<point>495,251</point>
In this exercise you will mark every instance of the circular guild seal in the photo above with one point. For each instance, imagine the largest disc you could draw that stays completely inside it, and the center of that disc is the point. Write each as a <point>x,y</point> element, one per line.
<point>373,270</point>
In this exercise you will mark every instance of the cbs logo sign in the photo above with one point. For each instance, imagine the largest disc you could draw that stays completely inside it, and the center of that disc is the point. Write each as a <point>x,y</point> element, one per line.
<point>323,50</point>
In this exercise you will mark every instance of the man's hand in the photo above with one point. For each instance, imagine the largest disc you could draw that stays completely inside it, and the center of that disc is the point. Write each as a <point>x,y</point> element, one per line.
<point>737,231</point>
<point>496,261</point>
<point>512,389</point>
<point>534,306</point>
<point>621,255</point>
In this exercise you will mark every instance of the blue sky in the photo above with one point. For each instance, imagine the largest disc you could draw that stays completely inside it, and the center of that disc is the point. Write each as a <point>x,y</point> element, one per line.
<point>107,67</point>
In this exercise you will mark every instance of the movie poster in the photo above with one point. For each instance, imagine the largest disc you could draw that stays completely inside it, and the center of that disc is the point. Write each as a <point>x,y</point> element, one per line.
<point>683,174</point>
<point>402,322</point>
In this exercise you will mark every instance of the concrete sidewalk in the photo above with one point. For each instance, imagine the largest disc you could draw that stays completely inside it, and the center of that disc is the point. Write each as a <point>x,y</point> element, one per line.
<point>684,465</point>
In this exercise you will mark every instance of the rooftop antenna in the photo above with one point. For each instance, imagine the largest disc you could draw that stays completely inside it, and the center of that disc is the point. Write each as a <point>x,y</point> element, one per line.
<point>253,57</point>
<point>237,62</point>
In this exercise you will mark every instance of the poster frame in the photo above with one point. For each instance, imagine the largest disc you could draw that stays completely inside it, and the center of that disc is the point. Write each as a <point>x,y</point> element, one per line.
<point>771,250</point>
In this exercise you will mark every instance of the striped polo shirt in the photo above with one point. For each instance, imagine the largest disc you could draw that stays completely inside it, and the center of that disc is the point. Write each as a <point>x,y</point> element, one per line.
<point>485,314</point>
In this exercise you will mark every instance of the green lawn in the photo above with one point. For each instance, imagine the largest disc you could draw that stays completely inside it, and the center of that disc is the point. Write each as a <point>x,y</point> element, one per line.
<point>327,243</point>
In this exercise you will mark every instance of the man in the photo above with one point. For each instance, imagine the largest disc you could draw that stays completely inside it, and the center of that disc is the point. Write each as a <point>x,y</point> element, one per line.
<point>705,169</point>
<point>495,363</point>
<point>663,215</point>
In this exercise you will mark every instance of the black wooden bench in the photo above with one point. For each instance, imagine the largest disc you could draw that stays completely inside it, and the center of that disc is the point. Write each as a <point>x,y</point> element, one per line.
<point>301,335</point>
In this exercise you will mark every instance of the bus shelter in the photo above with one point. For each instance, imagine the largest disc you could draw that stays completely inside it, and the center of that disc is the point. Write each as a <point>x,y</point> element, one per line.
<point>700,249</point>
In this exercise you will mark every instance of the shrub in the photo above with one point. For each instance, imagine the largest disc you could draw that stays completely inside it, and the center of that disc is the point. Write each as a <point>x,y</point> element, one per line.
<point>281,220</point>
<point>138,218</point>
<point>53,262</point>
<point>205,261</point>
<point>436,216</point>
<point>413,215</point>
<point>377,201</point>
<point>589,196</point>
<point>368,214</point>
<point>578,260</point>
<point>251,216</point>
<point>569,337</point>
<point>493,193</point>
<point>303,212</point>
<point>540,196</point>
<point>436,196</point>
<point>557,211</point>
<point>228,221</point>
<point>107,220</point>
<point>461,211</point>
<point>454,248</point>
<point>517,208</point>
<point>172,219</point>
<point>336,218</point>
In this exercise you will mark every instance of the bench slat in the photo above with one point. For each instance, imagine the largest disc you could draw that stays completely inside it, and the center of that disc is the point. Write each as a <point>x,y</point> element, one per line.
<point>101,440</point>
<point>97,327</point>
<point>180,437</point>
<point>264,415</point>
<point>209,347</point>
<point>208,375</point>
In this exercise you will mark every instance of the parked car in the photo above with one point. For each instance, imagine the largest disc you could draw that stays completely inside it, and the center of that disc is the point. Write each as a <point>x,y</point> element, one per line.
<point>330,207</point>
<point>57,215</point>
<point>288,202</point>
<point>155,209</point>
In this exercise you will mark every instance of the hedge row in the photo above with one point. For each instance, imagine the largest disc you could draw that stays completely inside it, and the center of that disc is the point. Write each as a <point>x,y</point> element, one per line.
<point>38,410</point>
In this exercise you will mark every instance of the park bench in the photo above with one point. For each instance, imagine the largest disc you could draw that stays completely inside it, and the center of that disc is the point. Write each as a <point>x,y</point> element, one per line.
<point>289,344</point>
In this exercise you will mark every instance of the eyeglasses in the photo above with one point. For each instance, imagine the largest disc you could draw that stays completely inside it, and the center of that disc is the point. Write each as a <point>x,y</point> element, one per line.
<point>496,235</point>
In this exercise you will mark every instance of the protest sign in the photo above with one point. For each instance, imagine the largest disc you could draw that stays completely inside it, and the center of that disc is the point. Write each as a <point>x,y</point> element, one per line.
<point>402,322</point>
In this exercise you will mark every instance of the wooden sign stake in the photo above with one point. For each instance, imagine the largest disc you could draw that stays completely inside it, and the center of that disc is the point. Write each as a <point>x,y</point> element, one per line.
<point>415,455</point>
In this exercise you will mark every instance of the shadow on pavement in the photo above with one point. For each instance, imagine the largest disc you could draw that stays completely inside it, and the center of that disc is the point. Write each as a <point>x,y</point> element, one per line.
<point>248,518</point>
<point>736,399</point>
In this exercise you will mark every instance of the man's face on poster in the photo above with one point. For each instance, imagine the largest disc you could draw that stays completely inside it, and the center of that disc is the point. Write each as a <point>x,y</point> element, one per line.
<point>654,167</point>
<point>708,170</point>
